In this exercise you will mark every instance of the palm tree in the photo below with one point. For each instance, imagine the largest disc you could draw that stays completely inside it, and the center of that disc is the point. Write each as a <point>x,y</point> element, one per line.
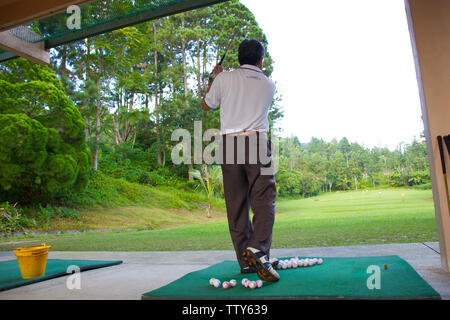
<point>210,180</point>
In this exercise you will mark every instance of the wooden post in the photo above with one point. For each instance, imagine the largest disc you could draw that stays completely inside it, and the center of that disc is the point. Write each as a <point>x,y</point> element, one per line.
<point>429,26</point>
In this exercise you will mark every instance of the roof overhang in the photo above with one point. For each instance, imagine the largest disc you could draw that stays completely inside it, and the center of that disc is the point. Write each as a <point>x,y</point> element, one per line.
<point>19,12</point>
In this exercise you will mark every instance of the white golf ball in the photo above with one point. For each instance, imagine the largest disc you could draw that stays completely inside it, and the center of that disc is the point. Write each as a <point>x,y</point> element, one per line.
<point>244,281</point>
<point>252,285</point>
<point>211,281</point>
<point>259,283</point>
<point>320,261</point>
<point>294,264</point>
<point>226,285</point>
<point>233,283</point>
<point>216,283</point>
<point>284,266</point>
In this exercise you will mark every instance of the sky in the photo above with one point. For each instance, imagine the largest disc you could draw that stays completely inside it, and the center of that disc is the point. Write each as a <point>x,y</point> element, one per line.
<point>344,68</point>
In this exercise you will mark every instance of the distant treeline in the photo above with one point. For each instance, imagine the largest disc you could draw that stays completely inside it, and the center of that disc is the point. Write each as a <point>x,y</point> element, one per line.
<point>321,166</point>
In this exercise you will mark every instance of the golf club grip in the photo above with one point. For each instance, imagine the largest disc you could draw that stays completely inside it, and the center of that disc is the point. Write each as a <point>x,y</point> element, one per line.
<point>447,143</point>
<point>441,150</point>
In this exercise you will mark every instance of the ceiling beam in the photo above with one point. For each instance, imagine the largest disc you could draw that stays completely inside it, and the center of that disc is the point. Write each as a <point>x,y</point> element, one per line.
<point>33,51</point>
<point>15,13</point>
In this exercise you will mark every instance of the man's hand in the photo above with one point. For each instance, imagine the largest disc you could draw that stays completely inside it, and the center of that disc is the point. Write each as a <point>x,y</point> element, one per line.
<point>217,69</point>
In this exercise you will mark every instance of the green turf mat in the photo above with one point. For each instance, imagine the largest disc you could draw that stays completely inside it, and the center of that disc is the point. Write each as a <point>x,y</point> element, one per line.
<point>10,276</point>
<point>336,278</point>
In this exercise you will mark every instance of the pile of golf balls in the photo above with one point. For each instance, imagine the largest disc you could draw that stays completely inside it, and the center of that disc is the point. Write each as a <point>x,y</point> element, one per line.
<point>226,284</point>
<point>251,284</point>
<point>296,263</point>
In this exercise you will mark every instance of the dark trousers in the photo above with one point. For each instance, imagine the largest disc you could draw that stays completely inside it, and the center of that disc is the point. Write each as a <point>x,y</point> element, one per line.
<point>244,188</point>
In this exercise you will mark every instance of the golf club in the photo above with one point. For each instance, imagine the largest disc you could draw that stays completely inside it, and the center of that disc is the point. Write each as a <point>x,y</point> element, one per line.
<point>212,75</point>
<point>444,170</point>
<point>229,46</point>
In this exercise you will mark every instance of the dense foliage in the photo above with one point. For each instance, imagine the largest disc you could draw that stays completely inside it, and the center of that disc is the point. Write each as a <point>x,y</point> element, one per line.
<point>43,153</point>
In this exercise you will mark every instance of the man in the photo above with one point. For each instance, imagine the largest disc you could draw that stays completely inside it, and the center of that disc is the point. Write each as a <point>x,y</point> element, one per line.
<point>244,96</point>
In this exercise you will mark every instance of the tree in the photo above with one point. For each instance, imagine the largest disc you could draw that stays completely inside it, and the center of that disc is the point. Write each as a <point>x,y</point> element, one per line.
<point>43,151</point>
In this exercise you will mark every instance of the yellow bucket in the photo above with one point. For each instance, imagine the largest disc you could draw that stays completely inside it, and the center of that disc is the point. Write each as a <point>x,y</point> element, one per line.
<point>32,261</point>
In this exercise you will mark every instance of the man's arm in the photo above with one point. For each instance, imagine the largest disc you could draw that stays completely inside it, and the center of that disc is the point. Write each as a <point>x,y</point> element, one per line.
<point>204,105</point>
<point>217,69</point>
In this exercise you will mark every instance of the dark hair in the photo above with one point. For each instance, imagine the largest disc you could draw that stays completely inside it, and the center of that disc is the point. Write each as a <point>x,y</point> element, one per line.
<point>250,51</point>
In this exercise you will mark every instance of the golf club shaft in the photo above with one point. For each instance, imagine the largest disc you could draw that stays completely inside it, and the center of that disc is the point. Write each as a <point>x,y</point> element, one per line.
<point>444,170</point>
<point>212,75</point>
<point>229,46</point>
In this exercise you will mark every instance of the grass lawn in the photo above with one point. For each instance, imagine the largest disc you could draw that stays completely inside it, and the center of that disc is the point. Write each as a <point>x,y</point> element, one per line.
<point>341,218</point>
<point>142,216</point>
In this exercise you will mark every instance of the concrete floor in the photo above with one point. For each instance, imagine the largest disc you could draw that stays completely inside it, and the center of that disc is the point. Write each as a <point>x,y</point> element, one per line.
<point>141,272</point>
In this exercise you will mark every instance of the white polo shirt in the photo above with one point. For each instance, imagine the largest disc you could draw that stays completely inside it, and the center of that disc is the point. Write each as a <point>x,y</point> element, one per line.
<point>244,96</point>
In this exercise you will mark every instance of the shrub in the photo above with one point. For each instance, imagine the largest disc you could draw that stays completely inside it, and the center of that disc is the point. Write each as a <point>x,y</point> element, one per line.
<point>132,174</point>
<point>100,190</point>
<point>397,179</point>
<point>419,177</point>
<point>12,219</point>
<point>45,214</point>
<point>151,178</point>
<point>425,186</point>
